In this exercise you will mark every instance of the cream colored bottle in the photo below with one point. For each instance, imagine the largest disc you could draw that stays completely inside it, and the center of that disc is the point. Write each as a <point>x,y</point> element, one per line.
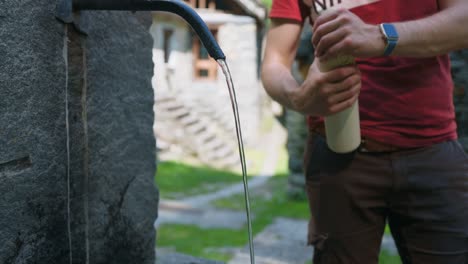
<point>343,131</point>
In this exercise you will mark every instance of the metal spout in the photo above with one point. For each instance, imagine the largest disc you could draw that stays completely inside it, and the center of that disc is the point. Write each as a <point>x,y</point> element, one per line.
<point>173,6</point>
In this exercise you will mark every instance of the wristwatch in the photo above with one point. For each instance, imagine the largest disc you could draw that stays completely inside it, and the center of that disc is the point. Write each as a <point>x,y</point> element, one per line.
<point>391,37</point>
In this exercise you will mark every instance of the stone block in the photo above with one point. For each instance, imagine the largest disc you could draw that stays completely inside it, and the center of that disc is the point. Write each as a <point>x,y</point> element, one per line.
<point>77,152</point>
<point>33,186</point>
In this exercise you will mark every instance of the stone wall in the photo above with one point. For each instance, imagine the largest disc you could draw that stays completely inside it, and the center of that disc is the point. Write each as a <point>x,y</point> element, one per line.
<point>77,153</point>
<point>177,73</point>
<point>238,39</point>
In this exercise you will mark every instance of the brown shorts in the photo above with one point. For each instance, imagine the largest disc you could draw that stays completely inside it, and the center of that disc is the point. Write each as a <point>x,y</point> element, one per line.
<point>422,194</point>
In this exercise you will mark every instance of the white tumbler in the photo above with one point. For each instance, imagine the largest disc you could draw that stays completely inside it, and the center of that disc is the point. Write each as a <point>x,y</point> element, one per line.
<point>342,129</point>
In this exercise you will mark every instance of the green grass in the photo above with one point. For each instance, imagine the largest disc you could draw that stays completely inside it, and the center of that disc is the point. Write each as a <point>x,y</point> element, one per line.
<point>195,241</point>
<point>387,230</point>
<point>176,179</point>
<point>387,258</point>
<point>269,203</point>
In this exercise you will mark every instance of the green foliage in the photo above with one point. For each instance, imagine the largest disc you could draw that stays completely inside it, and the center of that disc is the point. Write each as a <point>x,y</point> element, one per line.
<point>175,179</point>
<point>267,3</point>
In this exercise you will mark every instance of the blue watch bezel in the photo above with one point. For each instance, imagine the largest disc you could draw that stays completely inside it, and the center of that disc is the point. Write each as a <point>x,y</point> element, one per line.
<point>391,37</point>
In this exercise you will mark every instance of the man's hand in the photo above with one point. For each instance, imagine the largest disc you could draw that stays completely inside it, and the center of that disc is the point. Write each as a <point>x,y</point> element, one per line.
<point>340,32</point>
<point>324,94</point>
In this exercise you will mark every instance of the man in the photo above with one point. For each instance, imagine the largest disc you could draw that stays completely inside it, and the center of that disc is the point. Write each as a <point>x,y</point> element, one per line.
<point>410,169</point>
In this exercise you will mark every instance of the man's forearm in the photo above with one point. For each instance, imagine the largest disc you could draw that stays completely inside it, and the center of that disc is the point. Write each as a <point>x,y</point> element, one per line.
<point>435,35</point>
<point>278,82</point>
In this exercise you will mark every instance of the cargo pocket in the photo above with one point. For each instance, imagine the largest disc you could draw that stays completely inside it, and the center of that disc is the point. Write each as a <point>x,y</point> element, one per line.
<point>319,243</point>
<point>361,247</point>
<point>327,252</point>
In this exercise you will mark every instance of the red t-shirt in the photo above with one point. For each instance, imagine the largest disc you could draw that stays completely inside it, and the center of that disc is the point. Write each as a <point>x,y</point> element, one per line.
<point>404,101</point>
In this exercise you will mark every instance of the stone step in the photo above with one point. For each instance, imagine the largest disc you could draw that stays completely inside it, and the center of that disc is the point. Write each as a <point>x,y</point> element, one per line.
<point>224,152</point>
<point>189,121</point>
<point>163,98</point>
<point>207,138</point>
<point>196,128</point>
<point>175,113</point>
<point>171,106</point>
<point>164,116</point>
<point>215,144</point>
<point>231,161</point>
<point>179,114</point>
<point>218,156</point>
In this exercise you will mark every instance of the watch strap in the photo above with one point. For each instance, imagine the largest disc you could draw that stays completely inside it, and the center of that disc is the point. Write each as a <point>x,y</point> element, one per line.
<point>391,44</point>
<point>391,37</point>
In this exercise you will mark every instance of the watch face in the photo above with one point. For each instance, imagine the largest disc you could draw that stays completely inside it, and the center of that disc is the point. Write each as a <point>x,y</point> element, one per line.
<point>390,31</point>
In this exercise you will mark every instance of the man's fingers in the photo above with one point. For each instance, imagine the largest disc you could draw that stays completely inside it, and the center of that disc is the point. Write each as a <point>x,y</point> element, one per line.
<point>347,84</point>
<point>328,41</point>
<point>345,93</point>
<point>343,46</point>
<point>323,30</point>
<point>327,16</point>
<point>343,105</point>
<point>340,74</point>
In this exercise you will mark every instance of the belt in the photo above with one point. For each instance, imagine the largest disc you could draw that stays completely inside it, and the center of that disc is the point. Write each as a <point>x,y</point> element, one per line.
<point>367,144</point>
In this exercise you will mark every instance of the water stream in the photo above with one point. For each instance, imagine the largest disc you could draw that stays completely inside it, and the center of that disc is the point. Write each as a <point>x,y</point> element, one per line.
<point>232,94</point>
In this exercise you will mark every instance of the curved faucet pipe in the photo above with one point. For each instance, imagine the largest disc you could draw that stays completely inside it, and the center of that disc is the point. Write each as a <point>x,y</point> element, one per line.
<point>172,6</point>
